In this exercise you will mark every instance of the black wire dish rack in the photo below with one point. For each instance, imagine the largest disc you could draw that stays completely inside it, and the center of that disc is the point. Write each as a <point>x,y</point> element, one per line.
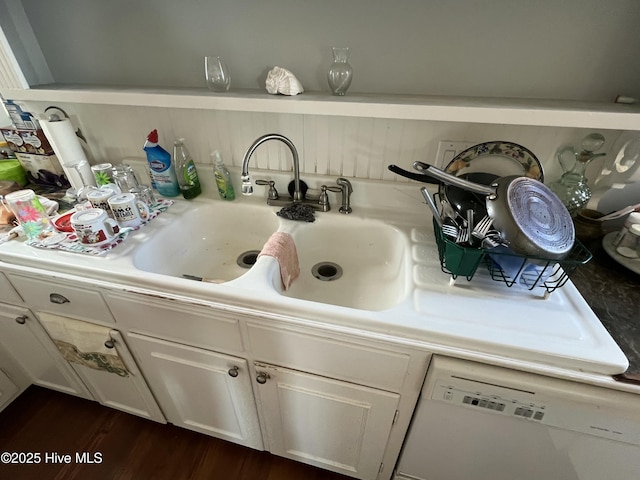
<point>507,267</point>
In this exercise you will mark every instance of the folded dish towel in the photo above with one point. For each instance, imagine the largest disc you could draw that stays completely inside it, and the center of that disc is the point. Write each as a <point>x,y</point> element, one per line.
<point>83,343</point>
<point>282,247</point>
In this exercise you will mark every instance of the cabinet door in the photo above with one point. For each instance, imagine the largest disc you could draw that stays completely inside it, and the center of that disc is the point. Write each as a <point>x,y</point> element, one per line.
<point>8,390</point>
<point>24,338</point>
<point>8,294</point>
<point>200,390</point>
<point>129,394</point>
<point>332,424</point>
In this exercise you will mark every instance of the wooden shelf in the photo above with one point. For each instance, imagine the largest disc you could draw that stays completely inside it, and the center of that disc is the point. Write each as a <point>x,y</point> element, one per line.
<point>598,115</point>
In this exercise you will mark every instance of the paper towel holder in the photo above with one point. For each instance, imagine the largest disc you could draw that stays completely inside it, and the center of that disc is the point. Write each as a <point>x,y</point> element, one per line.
<point>55,117</point>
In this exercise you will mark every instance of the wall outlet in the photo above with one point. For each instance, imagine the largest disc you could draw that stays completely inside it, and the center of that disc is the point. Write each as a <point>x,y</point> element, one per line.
<point>448,149</point>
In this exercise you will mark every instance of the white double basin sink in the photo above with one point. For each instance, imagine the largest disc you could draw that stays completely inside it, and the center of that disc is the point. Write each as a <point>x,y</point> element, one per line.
<point>344,260</point>
<point>376,270</point>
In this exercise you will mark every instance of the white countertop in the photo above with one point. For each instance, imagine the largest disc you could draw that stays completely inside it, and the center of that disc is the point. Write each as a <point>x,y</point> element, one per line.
<point>477,319</point>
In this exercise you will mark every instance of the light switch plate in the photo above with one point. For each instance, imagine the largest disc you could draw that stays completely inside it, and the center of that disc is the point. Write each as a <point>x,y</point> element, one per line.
<point>448,149</point>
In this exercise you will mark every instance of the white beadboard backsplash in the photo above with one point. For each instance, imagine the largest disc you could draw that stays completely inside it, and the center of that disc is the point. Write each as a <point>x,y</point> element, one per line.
<point>352,147</point>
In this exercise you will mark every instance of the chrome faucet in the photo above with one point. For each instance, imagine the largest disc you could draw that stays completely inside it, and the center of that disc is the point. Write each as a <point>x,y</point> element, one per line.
<point>247,188</point>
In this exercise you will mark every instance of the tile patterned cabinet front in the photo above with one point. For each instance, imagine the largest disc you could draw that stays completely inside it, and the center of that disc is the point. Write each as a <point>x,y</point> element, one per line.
<point>76,326</point>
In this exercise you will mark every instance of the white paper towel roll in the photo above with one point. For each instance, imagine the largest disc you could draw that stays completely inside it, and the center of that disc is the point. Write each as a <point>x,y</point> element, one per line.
<point>65,143</point>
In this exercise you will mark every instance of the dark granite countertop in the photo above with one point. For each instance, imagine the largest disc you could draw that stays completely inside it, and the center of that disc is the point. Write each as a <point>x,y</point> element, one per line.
<point>613,293</point>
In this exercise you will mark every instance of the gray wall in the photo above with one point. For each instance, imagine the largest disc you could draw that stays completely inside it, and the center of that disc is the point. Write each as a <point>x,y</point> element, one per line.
<point>564,49</point>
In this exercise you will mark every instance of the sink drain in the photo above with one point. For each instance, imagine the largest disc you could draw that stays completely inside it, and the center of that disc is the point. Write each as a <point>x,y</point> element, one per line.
<point>248,259</point>
<point>326,271</point>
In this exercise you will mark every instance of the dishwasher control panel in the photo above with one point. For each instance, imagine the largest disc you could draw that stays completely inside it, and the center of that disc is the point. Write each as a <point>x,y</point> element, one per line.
<point>530,398</point>
<point>511,402</point>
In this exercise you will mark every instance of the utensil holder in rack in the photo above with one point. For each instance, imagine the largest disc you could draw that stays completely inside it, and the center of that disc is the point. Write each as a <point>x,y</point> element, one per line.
<point>526,271</point>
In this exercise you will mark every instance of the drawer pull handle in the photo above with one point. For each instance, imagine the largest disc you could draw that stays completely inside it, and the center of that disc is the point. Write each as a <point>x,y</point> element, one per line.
<point>21,320</point>
<point>109,344</point>
<point>57,298</point>
<point>233,371</point>
<point>262,378</point>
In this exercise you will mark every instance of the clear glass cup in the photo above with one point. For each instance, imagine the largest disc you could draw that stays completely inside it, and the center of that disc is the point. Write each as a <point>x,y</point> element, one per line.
<point>217,74</point>
<point>124,177</point>
<point>30,214</point>
<point>145,194</point>
<point>102,173</point>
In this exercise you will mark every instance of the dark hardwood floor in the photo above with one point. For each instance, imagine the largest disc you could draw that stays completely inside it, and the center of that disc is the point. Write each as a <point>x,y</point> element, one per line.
<point>46,422</point>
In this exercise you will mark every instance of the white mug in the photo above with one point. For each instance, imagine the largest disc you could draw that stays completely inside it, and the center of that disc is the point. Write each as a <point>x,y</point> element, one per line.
<point>94,227</point>
<point>128,210</point>
<point>98,199</point>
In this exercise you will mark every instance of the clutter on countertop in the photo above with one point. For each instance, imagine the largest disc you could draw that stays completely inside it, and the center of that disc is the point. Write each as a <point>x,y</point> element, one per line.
<point>162,168</point>
<point>71,243</point>
<point>299,212</point>
<point>69,151</point>
<point>223,177</point>
<point>186,171</point>
<point>611,291</point>
<point>573,188</point>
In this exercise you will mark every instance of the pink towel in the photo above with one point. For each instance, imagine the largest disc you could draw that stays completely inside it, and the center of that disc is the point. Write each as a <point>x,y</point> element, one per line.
<point>282,247</point>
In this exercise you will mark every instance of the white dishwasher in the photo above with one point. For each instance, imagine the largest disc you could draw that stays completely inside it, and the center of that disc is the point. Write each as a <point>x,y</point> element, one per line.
<point>491,423</point>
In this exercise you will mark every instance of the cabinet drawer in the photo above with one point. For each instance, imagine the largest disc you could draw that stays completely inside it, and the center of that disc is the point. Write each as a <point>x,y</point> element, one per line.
<point>54,297</point>
<point>8,294</point>
<point>182,322</point>
<point>352,362</point>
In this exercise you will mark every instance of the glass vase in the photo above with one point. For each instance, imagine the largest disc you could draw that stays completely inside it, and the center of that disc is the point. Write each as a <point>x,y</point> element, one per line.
<point>217,74</point>
<point>340,73</point>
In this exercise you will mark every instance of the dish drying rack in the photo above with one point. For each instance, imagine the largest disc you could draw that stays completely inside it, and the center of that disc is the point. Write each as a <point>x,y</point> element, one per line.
<point>526,271</point>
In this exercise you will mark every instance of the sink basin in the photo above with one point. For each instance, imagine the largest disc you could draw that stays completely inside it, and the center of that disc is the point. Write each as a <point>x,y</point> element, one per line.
<point>209,241</point>
<point>352,263</point>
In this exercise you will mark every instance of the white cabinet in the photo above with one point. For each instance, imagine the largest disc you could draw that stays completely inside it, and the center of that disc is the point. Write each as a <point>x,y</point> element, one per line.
<point>201,390</point>
<point>100,357</point>
<point>128,393</point>
<point>8,294</point>
<point>332,424</point>
<point>8,390</point>
<point>25,339</point>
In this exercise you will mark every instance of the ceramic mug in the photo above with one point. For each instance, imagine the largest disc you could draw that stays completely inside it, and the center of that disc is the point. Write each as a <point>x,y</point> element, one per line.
<point>128,210</point>
<point>98,199</point>
<point>94,227</point>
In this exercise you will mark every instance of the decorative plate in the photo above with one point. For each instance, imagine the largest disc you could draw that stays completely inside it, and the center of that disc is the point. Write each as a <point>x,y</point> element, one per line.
<point>498,158</point>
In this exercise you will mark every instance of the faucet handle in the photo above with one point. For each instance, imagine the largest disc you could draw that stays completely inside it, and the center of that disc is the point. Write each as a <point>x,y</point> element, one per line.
<point>323,201</point>
<point>273,193</point>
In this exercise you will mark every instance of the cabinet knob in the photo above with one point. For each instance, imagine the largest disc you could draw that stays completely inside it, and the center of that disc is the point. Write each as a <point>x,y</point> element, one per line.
<point>262,377</point>
<point>21,319</point>
<point>233,371</point>
<point>57,298</point>
<point>109,344</point>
